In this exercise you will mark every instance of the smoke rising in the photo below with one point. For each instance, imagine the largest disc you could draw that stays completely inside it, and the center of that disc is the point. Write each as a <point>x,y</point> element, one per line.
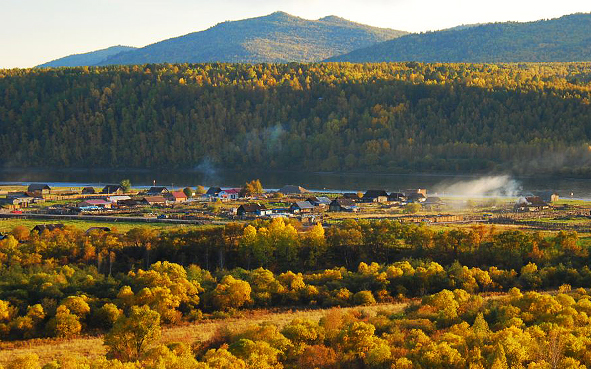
<point>490,186</point>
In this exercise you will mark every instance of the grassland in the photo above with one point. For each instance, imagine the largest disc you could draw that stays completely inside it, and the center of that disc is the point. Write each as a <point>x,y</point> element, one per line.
<point>92,346</point>
<point>6,225</point>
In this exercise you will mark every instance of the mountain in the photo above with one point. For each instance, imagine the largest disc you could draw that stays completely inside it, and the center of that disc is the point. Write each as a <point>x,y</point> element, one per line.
<point>278,37</point>
<point>525,118</point>
<point>560,40</point>
<point>91,58</point>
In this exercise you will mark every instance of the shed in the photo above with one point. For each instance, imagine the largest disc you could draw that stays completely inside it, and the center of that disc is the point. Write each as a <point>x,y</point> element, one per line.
<point>88,191</point>
<point>113,189</point>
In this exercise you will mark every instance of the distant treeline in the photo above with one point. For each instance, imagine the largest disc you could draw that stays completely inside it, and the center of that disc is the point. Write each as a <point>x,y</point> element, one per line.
<point>529,118</point>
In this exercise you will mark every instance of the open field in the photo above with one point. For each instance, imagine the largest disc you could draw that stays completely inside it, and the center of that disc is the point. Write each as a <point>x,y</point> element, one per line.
<point>92,346</point>
<point>6,225</point>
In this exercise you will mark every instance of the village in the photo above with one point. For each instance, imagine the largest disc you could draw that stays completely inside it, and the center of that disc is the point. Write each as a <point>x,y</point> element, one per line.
<point>217,205</point>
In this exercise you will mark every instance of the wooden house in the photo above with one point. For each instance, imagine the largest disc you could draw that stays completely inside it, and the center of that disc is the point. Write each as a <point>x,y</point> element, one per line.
<point>301,207</point>
<point>39,189</point>
<point>157,191</point>
<point>113,189</point>
<point>253,209</point>
<point>153,200</point>
<point>176,197</point>
<point>380,196</point>
<point>343,205</point>
<point>88,191</point>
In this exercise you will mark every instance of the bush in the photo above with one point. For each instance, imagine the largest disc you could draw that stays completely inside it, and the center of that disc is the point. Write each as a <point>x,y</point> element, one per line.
<point>363,298</point>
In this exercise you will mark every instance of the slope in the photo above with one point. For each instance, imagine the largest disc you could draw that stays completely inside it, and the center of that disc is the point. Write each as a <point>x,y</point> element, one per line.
<point>278,37</point>
<point>90,58</point>
<point>557,40</point>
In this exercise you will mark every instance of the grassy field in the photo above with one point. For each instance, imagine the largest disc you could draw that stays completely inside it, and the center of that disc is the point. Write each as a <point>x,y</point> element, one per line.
<point>6,225</point>
<point>91,347</point>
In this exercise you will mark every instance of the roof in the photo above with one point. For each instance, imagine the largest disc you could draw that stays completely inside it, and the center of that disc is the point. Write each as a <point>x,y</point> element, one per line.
<point>433,200</point>
<point>118,198</point>
<point>231,191</point>
<point>178,195</point>
<point>95,202</point>
<point>104,229</point>
<point>49,227</point>
<point>38,187</point>
<point>154,199</point>
<point>213,191</point>
<point>303,205</point>
<point>343,202</point>
<point>158,189</point>
<point>290,189</point>
<point>372,194</point>
<point>112,188</point>
<point>88,190</point>
<point>535,201</point>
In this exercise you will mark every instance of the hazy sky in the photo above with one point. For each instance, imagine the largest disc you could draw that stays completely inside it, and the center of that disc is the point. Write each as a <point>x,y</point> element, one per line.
<point>36,31</point>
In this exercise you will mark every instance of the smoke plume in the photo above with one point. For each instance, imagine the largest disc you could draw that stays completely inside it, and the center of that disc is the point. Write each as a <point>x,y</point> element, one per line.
<point>490,186</point>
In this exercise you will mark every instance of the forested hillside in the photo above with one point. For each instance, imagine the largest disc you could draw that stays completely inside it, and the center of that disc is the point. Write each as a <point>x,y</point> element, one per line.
<point>564,39</point>
<point>91,58</point>
<point>381,117</point>
<point>277,37</point>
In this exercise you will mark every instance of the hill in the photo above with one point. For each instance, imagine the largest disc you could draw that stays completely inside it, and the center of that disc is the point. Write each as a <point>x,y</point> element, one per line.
<point>562,39</point>
<point>278,37</point>
<point>91,58</point>
<point>397,117</point>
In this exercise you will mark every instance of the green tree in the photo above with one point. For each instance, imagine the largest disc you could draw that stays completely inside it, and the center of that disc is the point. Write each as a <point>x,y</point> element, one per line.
<point>131,336</point>
<point>126,185</point>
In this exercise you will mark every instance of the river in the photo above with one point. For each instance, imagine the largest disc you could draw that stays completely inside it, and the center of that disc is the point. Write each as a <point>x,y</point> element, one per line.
<point>442,185</point>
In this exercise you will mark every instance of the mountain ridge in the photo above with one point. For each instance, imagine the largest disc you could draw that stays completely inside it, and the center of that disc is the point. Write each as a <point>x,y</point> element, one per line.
<point>88,58</point>
<point>563,39</point>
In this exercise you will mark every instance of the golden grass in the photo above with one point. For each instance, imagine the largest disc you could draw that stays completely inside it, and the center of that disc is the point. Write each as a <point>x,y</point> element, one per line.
<point>92,347</point>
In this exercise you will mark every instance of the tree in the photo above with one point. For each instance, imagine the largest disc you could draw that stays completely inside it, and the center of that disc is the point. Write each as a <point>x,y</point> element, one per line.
<point>131,336</point>
<point>231,293</point>
<point>412,208</point>
<point>188,191</point>
<point>252,188</point>
<point>200,190</point>
<point>126,185</point>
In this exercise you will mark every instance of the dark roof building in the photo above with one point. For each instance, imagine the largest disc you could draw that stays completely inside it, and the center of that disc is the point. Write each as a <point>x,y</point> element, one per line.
<point>153,200</point>
<point>301,207</point>
<point>39,187</point>
<point>292,190</point>
<point>375,196</point>
<point>50,227</point>
<point>112,189</point>
<point>397,196</point>
<point>347,205</point>
<point>252,209</point>
<point>213,191</point>
<point>157,190</point>
<point>88,191</point>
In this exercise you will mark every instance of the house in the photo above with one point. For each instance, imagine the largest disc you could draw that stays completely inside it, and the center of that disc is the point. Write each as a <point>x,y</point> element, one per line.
<point>39,189</point>
<point>98,229</point>
<point>14,203</point>
<point>157,190</point>
<point>530,203</point>
<point>292,190</point>
<point>176,197</point>
<point>231,194</point>
<point>416,190</point>
<point>547,196</point>
<point>116,199</point>
<point>98,203</point>
<point>253,209</point>
<point>113,189</point>
<point>153,200</point>
<point>432,203</point>
<point>88,191</point>
<point>398,197</point>
<point>415,197</point>
<point>212,192</point>
<point>50,227</point>
<point>320,201</point>
<point>351,196</point>
<point>375,196</point>
<point>130,202</point>
<point>301,207</point>
<point>340,205</point>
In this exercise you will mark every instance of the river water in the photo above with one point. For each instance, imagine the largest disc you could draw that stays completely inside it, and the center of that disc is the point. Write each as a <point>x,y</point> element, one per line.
<point>442,185</point>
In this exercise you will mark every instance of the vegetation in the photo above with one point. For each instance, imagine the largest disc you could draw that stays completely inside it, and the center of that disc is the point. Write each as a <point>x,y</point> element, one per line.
<point>389,117</point>
<point>277,37</point>
<point>555,40</point>
<point>91,58</point>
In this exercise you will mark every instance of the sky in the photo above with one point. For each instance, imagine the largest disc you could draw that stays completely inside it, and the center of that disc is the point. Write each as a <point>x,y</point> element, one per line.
<point>36,31</point>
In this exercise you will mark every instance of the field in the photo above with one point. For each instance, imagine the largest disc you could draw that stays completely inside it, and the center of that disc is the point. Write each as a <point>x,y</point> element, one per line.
<point>92,346</point>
